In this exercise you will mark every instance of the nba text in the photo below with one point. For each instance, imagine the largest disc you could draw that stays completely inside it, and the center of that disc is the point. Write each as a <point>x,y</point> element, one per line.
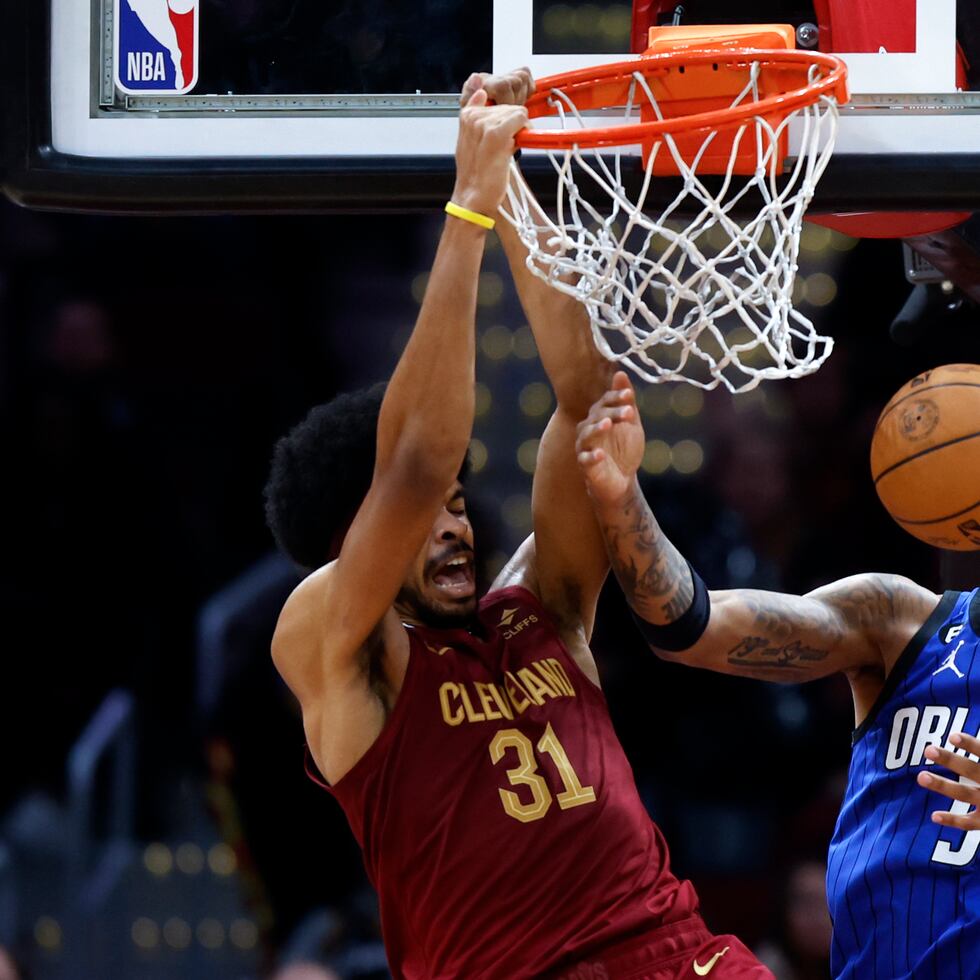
<point>145,66</point>
<point>476,701</point>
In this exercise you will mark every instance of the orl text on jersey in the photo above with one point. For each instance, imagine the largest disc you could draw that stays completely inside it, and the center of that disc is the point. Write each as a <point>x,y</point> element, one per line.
<point>915,728</point>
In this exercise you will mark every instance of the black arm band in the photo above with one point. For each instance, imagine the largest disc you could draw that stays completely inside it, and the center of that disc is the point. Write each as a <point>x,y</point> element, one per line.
<point>686,631</point>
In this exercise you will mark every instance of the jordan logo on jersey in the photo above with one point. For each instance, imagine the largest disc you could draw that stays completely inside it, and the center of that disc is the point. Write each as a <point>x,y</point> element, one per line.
<point>156,46</point>
<point>950,663</point>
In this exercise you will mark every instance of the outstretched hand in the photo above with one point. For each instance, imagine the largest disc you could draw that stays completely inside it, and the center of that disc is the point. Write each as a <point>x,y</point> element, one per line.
<point>610,442</point>
<point>966,790</point>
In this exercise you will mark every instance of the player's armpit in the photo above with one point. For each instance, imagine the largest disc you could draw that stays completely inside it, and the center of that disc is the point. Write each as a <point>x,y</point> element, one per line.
<point>344,696</point>
<point>964,790</point>
<point>856,624</point>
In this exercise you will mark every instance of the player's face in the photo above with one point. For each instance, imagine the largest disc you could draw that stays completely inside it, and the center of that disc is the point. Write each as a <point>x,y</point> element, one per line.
<point>441,588</point>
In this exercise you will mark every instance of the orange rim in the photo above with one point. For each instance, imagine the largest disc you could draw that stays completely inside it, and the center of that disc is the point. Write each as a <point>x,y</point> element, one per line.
<point>583,79</point>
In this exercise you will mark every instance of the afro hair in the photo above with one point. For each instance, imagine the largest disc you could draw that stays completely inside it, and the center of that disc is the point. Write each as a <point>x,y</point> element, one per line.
<point>321,471</point>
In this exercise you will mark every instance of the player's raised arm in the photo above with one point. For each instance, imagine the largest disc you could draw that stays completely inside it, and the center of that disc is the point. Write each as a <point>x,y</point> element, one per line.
<point>566,563</point>
<point>423,432</point>
<point>856,624</point>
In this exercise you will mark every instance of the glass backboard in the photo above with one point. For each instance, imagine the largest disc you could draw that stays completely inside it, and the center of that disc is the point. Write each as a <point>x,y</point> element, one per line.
<point>223,105</point>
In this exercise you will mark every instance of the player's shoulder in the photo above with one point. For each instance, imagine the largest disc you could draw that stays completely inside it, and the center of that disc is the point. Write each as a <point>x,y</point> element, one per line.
<point>309,619</point>
<point>312,646</point>
<point>879,599</point>
<point>961,614</point>
<point>307,593</point>
<point>298,627</point>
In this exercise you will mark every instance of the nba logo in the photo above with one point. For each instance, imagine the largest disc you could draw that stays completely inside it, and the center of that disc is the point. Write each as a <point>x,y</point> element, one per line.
<point>156,46</point>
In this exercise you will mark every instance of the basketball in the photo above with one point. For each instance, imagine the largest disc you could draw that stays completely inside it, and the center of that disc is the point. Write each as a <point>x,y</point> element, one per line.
<point>925,457</point>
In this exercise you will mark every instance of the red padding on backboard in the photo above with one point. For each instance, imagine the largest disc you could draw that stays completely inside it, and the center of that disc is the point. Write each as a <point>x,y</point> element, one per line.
<point>847,26</point>
<point>863,27</point>
<point>890,224</point>
<point>645,14</point>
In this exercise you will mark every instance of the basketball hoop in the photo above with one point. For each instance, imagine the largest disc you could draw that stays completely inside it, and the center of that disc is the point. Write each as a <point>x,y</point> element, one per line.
<point>704,299</point>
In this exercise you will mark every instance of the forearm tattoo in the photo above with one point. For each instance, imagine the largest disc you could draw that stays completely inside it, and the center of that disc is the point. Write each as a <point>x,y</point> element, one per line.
<point>651,571</point>
<point>757,651</point>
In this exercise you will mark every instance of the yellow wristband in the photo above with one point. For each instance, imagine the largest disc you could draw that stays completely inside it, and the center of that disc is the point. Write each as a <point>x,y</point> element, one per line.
<point>474,217</point>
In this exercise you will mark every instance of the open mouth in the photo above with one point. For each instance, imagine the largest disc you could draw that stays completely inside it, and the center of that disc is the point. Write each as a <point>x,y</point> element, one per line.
<point>455,578</point>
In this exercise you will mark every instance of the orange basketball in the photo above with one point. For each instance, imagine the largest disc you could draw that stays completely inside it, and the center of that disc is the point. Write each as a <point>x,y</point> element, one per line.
<point>925,457</point>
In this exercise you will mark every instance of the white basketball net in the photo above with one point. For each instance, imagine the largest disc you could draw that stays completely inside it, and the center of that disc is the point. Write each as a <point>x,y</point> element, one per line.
<point>706,300</point>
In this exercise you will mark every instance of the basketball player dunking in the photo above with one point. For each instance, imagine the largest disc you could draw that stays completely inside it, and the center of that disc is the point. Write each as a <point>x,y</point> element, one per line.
<point>468,742</point>
<point>903,884</point>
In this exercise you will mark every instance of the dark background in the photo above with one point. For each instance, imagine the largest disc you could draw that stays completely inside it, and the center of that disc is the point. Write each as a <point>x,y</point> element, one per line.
<point>149,364</point>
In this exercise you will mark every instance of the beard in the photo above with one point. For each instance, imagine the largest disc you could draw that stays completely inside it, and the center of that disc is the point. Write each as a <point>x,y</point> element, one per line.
<point>437,615</point>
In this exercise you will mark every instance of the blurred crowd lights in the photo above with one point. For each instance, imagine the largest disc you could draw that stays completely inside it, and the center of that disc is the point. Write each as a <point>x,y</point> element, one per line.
<point>189,858</point>
<point>819,289</point>
<point>816,241</point>
<point>568,22</point>
<point>660,400</point>
<point>177,934</point>
<point>499,342</point>
<point>815,238</point>
<point>479,455</point>
<point>489,290</point>
<point>483,399</point>
<point>527,454</point>
<point>524,346</point>
<point>535,399</point>
<point>684,457</point>
<point>47,933</point>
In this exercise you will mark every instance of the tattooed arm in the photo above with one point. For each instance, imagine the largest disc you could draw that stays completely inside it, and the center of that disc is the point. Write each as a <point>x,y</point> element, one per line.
<point>858,625</point>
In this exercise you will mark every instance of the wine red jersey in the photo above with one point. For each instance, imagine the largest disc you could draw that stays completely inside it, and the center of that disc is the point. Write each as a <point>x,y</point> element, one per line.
<point>498,815</point>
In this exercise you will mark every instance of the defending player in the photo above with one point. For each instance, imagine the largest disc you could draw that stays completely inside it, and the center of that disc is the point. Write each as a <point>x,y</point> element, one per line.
<point>468,742</point>
<point>904,889</point>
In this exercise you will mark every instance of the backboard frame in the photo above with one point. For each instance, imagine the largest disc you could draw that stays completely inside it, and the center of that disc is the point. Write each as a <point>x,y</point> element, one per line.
<point>36,173</point>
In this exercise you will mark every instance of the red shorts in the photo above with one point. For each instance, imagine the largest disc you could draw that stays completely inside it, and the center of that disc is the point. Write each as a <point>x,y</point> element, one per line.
<point>684,950</point>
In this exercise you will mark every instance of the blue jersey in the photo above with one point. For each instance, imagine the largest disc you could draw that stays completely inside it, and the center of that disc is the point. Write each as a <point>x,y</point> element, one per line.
<point>904,892</point>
